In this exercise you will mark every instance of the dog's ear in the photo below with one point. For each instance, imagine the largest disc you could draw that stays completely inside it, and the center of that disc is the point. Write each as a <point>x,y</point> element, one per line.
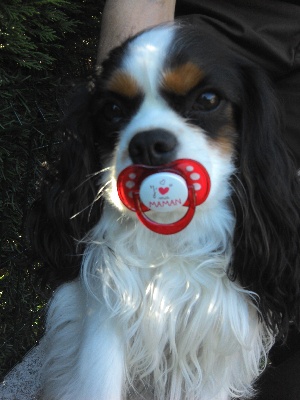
<point>64,213</point>
<point>267,201</point>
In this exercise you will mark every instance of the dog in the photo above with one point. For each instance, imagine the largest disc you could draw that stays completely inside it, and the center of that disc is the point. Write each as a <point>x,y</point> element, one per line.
<point>183,303</point>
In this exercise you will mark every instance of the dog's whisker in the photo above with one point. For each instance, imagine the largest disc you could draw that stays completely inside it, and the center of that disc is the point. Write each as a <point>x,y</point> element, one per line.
<point>80,212</point>
<point>93,175</point>
<point>97,198</point>
<point>101,190</point>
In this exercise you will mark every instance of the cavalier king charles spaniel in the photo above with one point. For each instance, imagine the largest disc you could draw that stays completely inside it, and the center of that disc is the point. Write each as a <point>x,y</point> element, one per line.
<point>171,222</point>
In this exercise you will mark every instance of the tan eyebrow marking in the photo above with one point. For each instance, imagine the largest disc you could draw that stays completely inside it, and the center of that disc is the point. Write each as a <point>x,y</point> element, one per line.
<point>182,79</point>
<point>124,84</point>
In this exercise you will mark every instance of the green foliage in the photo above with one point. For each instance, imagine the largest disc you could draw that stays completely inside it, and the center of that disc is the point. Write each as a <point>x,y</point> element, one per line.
<point>45,45</point>
<point>32,32</point>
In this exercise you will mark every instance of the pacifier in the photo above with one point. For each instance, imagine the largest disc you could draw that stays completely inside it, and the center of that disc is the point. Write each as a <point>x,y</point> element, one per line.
<point>164,188</point>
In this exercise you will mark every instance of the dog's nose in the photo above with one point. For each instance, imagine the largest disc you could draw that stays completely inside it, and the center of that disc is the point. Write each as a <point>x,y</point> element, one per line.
<point>153,147</point>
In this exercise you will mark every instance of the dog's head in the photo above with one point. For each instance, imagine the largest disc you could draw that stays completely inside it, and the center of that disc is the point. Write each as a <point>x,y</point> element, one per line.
<point>164,96</point>
<point>173,93</point>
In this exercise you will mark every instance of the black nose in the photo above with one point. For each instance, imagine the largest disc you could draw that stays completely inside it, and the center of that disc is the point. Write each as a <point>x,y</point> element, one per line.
<point>153,147</point>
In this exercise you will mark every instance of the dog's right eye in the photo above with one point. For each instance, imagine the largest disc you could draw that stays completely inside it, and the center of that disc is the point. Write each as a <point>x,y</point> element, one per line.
<point>112,112</point>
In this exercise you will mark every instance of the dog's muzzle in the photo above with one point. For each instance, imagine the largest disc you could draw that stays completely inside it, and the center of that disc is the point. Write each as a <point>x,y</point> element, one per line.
<point>164,188</point>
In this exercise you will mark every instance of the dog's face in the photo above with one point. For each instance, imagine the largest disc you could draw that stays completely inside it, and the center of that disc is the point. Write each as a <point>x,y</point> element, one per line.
<point>166,95</point>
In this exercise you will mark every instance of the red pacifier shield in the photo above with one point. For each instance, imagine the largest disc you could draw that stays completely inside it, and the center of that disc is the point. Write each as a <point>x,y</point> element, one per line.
<point>164,188</point>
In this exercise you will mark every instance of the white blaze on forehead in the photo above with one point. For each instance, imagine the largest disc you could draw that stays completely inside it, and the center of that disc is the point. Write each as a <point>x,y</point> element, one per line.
<point>146,56</point>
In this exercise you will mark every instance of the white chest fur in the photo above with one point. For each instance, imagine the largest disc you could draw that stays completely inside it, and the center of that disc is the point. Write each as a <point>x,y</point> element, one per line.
<point>154,314</point>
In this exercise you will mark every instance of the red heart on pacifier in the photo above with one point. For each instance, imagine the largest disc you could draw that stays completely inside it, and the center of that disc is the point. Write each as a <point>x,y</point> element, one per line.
<point>188,184</point>
<point>163,190</point>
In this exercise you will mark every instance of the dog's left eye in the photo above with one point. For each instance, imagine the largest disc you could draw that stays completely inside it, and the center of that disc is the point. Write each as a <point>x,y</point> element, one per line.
<point>112,112</point>
<point>207,101</point>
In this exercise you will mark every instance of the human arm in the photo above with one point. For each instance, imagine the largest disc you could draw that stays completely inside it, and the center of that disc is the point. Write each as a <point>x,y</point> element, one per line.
<point>124,18</point>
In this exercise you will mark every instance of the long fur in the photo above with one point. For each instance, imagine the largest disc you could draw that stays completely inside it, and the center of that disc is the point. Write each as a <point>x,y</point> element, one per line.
<point>267,208</point>
<point>185,316</point>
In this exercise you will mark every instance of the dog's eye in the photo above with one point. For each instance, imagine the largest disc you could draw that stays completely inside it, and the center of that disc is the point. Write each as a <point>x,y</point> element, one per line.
<point>207,101</point>
<point>112,112</point>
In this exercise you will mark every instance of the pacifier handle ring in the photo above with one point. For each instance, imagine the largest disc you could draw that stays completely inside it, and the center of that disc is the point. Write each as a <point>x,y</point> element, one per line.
<point>167,229</point>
